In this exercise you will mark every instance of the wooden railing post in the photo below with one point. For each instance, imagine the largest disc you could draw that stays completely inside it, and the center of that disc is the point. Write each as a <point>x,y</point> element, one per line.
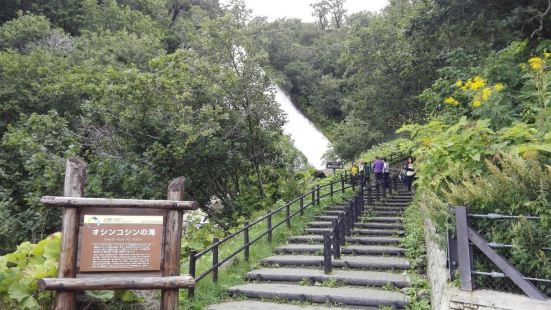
<point>463,249</point>
<point>172,249</point>
<point>215,260</point>
<point>269,224</point>
<point>192,269</point>
<point>246,253</point>
<point>75,178</point>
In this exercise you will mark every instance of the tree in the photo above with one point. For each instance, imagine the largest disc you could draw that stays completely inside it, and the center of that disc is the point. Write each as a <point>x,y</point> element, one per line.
<point>321,10</point>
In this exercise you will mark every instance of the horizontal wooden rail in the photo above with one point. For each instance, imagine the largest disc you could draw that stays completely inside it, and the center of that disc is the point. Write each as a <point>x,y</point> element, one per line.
<point>78,202</point>
<point>114,283</point>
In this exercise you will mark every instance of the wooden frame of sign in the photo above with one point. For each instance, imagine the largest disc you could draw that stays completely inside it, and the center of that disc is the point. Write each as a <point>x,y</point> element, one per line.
<point>118,243</point>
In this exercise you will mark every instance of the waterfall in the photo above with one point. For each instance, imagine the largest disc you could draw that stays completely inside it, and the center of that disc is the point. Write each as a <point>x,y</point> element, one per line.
<point>306,137</point>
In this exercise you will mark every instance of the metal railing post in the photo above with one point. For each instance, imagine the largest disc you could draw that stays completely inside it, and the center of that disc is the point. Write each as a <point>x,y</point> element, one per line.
<point>336,240</point>
<point>331,188</point>
<point>215,260</point>
<point>463,249</point>
<point>313,203</point>
<point>377,192</point>
<point>318,194</point>
<point>269,224</point>
<point>246,253</point>
<point>288,216</point>
<point>192,268</point>
<point>301,207</point>
<point>327,252</point>
<point>342,184</point>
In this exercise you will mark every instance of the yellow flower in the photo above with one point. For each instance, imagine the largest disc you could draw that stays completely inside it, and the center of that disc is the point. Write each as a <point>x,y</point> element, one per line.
<point>485,94</point>
<point>536,63</point>
<point>476,103</point>
<point>499,87</point>
<point>451,101</point>
<point>474,83</point>
<point>547,54</point>
<point>459,83</point>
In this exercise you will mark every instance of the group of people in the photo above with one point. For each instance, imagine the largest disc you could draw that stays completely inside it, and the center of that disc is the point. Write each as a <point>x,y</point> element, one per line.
<point>381,170</point>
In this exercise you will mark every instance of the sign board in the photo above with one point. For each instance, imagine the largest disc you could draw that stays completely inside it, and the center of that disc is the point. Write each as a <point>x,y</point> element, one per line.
<point>121,243</point>
<point>334,165</point>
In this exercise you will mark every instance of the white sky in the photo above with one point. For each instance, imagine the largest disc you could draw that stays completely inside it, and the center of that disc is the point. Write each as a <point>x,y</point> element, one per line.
<point>274,9</point>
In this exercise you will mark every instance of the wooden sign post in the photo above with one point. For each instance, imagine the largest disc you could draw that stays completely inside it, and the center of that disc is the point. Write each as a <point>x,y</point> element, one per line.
<point>118,243</point>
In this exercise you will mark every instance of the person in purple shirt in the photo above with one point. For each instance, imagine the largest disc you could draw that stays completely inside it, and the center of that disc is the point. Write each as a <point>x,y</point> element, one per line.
<point>378,165</point>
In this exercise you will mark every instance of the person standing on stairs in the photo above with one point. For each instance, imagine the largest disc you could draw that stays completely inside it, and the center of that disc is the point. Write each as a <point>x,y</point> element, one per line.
<point>410,173</point>
<point>378,169</point>
<point>386,173</point>
<point>353,172</point>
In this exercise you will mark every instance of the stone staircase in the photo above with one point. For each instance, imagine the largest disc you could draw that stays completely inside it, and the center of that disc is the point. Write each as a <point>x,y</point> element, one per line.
<point>369,274</point>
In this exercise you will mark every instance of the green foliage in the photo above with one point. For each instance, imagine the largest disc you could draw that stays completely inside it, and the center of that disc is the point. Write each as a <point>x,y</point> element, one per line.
<point>351,137</point>
<point>20,271</point>
<point>36,149</point>
<point>18,33</point>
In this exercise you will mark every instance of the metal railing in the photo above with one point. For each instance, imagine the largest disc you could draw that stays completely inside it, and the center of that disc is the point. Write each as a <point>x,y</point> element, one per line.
<point>341,227</point>
<point>304,201</point>
<point>462,259</point>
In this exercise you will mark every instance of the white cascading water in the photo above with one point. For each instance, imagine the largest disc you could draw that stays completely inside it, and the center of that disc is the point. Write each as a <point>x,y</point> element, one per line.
<point>307,138</point>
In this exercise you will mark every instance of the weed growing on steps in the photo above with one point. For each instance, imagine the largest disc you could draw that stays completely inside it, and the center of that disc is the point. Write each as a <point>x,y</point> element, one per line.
<point>207,292</point>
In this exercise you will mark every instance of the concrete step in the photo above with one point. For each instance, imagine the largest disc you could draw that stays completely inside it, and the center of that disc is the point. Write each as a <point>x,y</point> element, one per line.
<point>320,224</point>
<point>317,249</point>
<point>357,262</point>
<point>347,277</point>
<point>339,295</point>
<point>255,305</point>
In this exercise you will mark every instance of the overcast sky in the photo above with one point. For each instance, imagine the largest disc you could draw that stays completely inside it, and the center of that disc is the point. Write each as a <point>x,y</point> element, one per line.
<point>274,9</point>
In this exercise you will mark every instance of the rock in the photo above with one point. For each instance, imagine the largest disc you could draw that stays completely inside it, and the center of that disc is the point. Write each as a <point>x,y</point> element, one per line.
<point>423,294</point>
<point>319,174</point>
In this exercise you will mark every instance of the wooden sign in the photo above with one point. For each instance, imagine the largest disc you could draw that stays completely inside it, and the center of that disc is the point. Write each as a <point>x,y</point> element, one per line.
<point>334,165</point>
<point>121,243</point>
<point>118,243</point>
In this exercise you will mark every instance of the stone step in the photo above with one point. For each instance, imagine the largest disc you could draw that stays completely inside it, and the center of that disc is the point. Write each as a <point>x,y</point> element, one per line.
<point>333,212</point>
<point>380,219</point>
<point>255,305</point>
<point>325,217</point>
<point>377,225</point>
<point>371,240</point>
<point>339,295</point>
<point>317,249</point>
<point>372,250</point>
<point>320,224</point>
<point>358,231</point>
<point>350,239</point>
<point>346,277</point>
<point>386,208</point>
<point>357,262</point>
<point>385,213</point>
<point>376,232</point>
